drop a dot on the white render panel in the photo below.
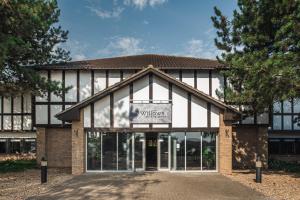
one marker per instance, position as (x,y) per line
(140,125)
(43,98)
(99,81)
(87,117)
(41,113)
(71,80)
(17,122)
(27,103)
(160,89)
(6,104)
(85,84)
(121,108)
(248,120)
(180,107)
(102,112)
(141,89)
(127,73)
(174,74)
(56,76)
(198,112)
(263,118)
(17,104)
(160,125)
(113,77)
(188,77)
(217,83)
(215,117)
(203,81)
(54,109)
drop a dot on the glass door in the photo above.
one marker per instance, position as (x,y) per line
(163,151)
(139,151)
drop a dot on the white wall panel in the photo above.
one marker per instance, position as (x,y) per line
(99,81)
(215,116)
(41,113)
(140,125)
(188,77)
(179,110)
(102,112)
(160,89)
(43,98)
(7,122)
(174,73)
(71,80)
(160,125)
(7,105)
(17,123)
(198,112)
(127,73)
(263,118)
(248,120)
(54,109)
(27,103)
(56,76)
(217,83)
(113,77)
(203,81)
(17,104)
(85,84)
(121,108)
(87,117)
(141,89)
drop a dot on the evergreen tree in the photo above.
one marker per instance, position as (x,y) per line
(261,48)
(29,35)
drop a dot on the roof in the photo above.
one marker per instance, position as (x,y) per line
(139,62)
(73,112)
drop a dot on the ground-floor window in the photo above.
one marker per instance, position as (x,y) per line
(287,146)
(17,145)
(175,151)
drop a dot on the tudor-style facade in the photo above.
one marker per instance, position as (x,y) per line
(24,118)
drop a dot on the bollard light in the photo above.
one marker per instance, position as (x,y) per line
(258,169)
(44,170)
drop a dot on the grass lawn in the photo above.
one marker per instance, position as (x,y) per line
(16,165)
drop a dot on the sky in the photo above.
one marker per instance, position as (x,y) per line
(109,28)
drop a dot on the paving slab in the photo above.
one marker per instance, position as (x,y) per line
(151,185)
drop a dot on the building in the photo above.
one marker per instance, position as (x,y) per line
(144,112)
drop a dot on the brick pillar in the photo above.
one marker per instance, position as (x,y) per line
(225,146)
(262,144)
(78,146)
(40,144)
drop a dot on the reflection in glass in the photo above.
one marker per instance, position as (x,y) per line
(178,150)
(208,151)
(93,151)
(193,151)
(138,150)
(109,149)
(164,149)
(124,151)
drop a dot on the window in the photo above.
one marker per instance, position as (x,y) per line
(29,146)
(288,146)
(15,146)
(178,150)
(193,151)
(109,151)
(93,151)
(2,145)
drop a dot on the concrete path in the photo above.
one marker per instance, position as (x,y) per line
(157,186)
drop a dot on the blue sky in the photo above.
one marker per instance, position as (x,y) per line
(107,28)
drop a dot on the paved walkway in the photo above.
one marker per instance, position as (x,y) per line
(157,186)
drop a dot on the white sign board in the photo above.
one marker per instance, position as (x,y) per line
(156,113)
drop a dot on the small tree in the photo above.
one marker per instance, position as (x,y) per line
(261,47)
(29,36)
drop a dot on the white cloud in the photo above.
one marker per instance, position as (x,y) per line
(145,22)
(141,4)
(200,48)
(104,14)
(77,49)
(121,46)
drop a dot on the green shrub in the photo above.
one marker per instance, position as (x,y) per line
(285,166)
(16,165)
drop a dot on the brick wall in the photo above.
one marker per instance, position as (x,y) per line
(55,145)
(225,146)
(78,146)
(248,142)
